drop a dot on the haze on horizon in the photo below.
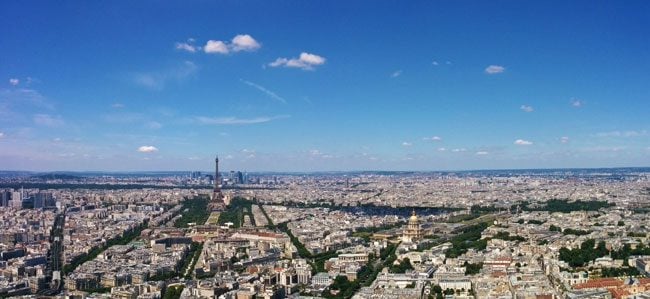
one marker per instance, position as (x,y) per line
(291,86)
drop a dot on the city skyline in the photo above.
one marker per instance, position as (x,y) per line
(287,86)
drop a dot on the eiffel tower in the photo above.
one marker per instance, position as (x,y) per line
(217,203)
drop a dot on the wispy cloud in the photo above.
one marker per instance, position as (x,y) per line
(154,125)
(494,69)
(117,105)
(158,80)
(481,153)
(526,108)
(249,153)
(577,103)
(396,74)
(15,97)
(263,89)
(14,81)
(241,42)
(188,46)
(237,121)
(459,150)
(432,138)
(2,135)
(147,149)
(523,142)
(306,61)
(48,120)
(564,139)
(623,134)
(314,153)
(406,144)
(437,63)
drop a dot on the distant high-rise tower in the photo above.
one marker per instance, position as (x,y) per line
(216,175)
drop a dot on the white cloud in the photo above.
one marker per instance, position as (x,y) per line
(396,74)
(14,81)
(216,47)
(306,61)
(405,143)
(188,46)
(154,125)
(522,142)
(459,150)
(23,96)
(442,149)
(237,121)
(577,103)
(435,63)
(494,69)
(241,42)
(269,93)
(482,153)
(526,108)
(433,138)
(147,149)
(117,105)
(2,135)
(623,134)
(48,120)
(318,154)
(250,154)
(244,42)
(564,139)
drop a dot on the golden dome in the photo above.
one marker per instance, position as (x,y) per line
(413,217)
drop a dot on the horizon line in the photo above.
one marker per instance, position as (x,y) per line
(329,171)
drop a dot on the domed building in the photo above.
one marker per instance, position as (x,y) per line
(413,231)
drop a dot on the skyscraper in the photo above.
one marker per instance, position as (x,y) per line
(17,200)
(4,198)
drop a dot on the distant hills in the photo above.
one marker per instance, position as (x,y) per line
(56,176)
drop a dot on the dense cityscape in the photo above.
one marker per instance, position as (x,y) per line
(565,233)
(292,149)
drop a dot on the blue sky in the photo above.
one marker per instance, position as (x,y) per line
(324,85)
